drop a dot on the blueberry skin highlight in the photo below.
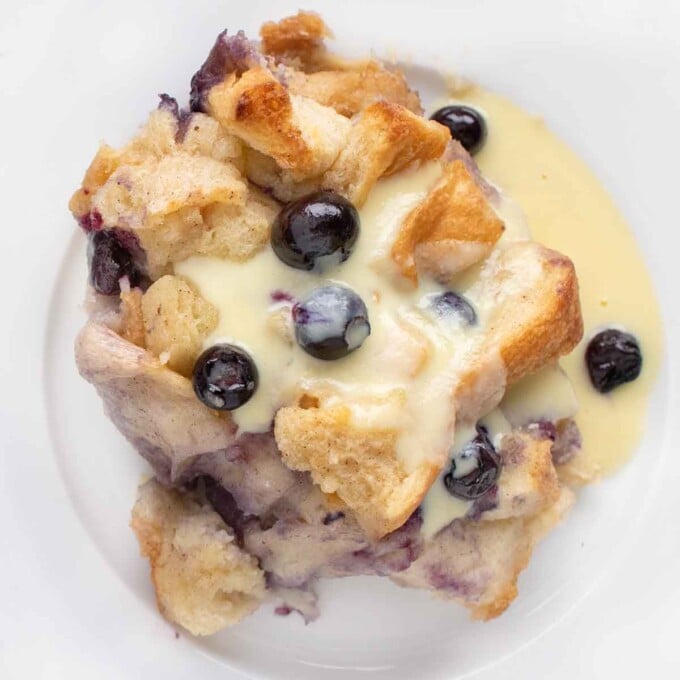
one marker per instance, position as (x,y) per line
(331,322)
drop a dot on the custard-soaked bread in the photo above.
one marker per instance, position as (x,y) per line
(528,296)
(301,135)
(478,563)
(203,580)
(453,228)
(528,484)
(176,321)
(359,464)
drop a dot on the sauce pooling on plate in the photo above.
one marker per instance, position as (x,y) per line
(568,209)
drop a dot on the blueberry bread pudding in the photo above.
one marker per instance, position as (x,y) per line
(329,336)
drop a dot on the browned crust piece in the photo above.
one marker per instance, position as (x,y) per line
(535,329)
(386,138)
(302,136)
(451,229)
(555,325)
(349,92)
(299,37)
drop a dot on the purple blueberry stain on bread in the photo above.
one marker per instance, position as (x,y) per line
(229,54)
(91,221)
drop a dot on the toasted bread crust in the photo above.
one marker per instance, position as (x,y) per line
(451,229)
(302,136)
(386,138)
(300,36)
(349,92)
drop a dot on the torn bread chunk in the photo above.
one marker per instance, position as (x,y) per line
(359,464)
(350,91)
(203,580)
(528,483)
(533,319)
(301,135)
(298,39)
(384,139)
(235,231)
(153,407)
(453,228)
(176,321)
(478,563)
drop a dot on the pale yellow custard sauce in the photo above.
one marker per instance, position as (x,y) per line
(569,210)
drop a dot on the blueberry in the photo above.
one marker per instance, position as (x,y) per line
(453,306)
(225,377)
(613,358)
(465,124)
(474,469)
(331,322)
(316,232)
(109,261)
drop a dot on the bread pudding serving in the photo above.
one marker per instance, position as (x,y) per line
(332,339)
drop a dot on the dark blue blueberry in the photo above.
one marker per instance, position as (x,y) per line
(465,124)
(450,305)
(225,377)
(474,469)
(333,517)
(316,232)
(109,260)
(613,358)
(331,322)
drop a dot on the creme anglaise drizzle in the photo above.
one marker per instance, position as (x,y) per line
(404,374)
(566,208)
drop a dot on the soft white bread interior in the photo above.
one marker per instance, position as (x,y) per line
(203,580)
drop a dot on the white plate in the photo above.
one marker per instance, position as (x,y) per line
(601,597)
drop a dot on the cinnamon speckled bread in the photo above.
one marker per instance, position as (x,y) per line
(203,580)
(327,465)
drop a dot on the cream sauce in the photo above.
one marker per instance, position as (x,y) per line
(568,209)
(405,373)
